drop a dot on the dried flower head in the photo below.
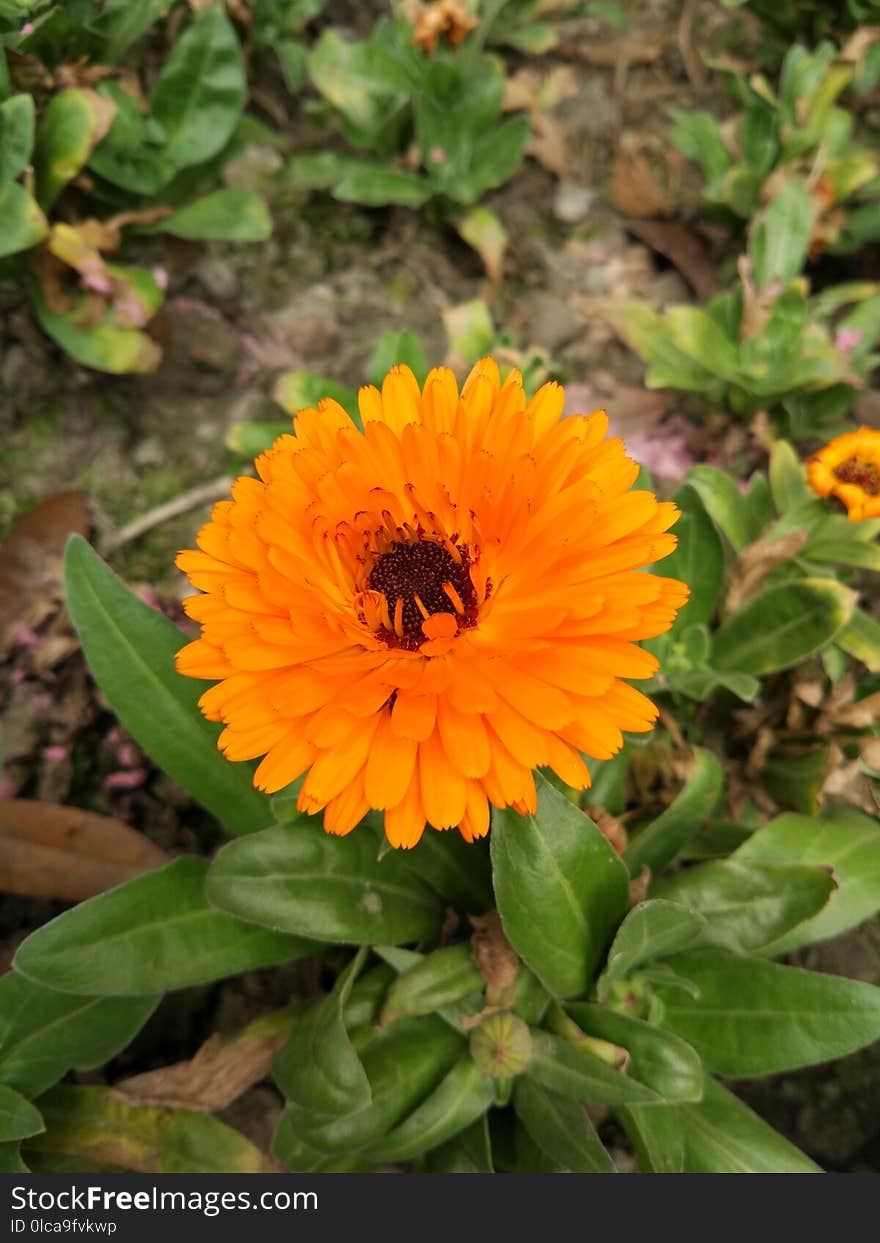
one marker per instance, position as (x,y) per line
(420,613)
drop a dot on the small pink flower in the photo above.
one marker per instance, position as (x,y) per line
(128,755)
(160,276)
(848,339)
(437,155)
(55,753)
(27,29)
(25,637)
(125,779)
(97,281)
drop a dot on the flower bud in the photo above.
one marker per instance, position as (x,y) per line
(502,1046)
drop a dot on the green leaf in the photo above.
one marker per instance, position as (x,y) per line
(748,905)
(659,1059)
(16,138)
(104,346)
(781,235)
(754,1017)
(783,626)
(151,934)
(470,1152)
(561,1128)
(723,1136)
(318,1068)
(724,503)
(580,1075)
(200,93)
(560,889)
(788,478)
(404,1065)
(18,1118)
(99,1131)
(395,347)
(43,1033)
(464,1096)
(697,135)
(129,156)
(656,1134)
(10,1154)
(23,223)
(252,437)
(73,123)
(130,649)
(376,185)
(121,23)
(296,390)
(301,1158)
(653,929)
(441,979)
(230,215)
(698,560)
(297,879)
(843,840)
(660,841)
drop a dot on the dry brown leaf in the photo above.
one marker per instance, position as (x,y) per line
(644,177)
(494,956)
(222,1070)
(30,561)
(682,248)
(66,854)
(751,568)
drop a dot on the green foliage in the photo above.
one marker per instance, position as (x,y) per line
(387,95)
(154,171)
(766,344)
(797,134)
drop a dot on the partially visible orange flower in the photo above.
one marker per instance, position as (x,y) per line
(420,613)
(849,468)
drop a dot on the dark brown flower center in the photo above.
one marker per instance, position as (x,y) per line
(418,580)
(864,475)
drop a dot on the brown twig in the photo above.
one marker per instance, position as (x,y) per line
(215,490)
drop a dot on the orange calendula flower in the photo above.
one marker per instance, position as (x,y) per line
(420,613)
(849,468)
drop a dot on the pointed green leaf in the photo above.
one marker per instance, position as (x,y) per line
(723,1136)
(659,1059)
(18,1118)
(318,1068)
(560,889)
(464,1096)
(200,93)
(298,879)
(23,223)
(149,935)
(656,1134)
(842,840)
(781,235)
(16,138)
(651,930)
(404,1066)
(754,1017)
(698,560)
(229,215)
(561,1127)
(748,905)
(130,649)
(43,1033)
(860,637)
(580,1075)
(723,502)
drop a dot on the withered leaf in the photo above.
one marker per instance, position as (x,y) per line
(222,1070)
(30,560)
(67,854)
